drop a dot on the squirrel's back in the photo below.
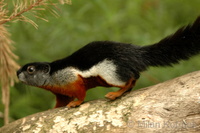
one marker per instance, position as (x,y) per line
(126,57)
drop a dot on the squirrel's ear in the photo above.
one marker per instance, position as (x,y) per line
(46,68)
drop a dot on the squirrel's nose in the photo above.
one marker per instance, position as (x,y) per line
(19,71)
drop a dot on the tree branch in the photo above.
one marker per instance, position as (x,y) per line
(14,16)
(172,106)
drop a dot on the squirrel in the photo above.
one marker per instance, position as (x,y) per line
(108,64)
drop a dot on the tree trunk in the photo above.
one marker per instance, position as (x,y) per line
(172,106)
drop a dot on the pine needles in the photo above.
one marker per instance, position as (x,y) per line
(33,7)
(8,65)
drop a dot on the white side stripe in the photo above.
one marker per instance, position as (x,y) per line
(105,69)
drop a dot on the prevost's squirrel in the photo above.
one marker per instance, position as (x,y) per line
(108,64)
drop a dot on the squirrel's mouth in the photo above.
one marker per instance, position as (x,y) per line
(21,77)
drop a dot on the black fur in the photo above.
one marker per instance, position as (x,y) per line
(39,66)
(125,56)
(130,59)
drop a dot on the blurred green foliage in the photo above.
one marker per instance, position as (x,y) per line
(140,22)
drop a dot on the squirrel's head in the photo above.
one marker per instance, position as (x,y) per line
(35,74)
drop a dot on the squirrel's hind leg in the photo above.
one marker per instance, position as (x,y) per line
(128,86)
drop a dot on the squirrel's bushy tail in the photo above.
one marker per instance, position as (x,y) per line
(183,44)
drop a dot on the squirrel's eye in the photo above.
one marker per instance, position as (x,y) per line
(31,69)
